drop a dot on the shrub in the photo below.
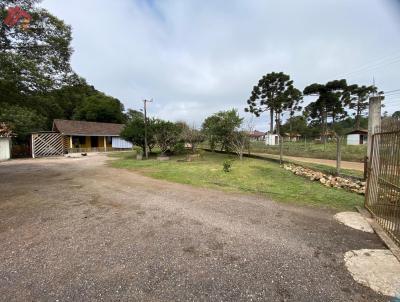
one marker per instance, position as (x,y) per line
(179,149)
(137,150)
(201,153)
(227,165)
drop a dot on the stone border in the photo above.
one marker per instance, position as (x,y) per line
(327,180)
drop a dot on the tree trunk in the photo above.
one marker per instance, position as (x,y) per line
(324,128)
(358,115)
(271,129)
(338,155)
(278,131)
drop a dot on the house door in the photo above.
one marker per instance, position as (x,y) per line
(94,141)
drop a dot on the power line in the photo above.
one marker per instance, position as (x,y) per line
(390,91)
(374,64)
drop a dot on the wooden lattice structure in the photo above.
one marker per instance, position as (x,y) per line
(383,191)
(46,144)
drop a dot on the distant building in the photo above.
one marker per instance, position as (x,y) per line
(78,136)
(271,139)
(5,148)
(5,142)
(291,137)
(257,135)
(357,137)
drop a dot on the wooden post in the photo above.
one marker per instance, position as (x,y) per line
(105,144)
(338,154)
(70,142)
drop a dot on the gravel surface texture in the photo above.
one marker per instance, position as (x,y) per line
(74,229)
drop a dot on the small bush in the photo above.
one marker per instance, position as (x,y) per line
(201,153)
(137,150)
(180,149)
(227,165)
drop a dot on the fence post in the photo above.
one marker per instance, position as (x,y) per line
(365,167)
(338,154)
(374,119)
(374,123)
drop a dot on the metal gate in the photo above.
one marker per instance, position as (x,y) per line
(47,144)
(383,191)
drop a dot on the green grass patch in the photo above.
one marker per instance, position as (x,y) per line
(250,175)
(354,153)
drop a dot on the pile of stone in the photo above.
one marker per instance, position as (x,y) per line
(349,184)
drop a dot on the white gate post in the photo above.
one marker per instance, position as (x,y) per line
(374,119)
(33,145)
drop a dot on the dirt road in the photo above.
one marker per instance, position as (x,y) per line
(349,165)
(77,230)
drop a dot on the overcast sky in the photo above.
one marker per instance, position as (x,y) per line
(198,57)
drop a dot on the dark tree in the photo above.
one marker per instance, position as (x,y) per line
(219,127)
(274,93)
(134,132)
(330,102)
(36,58)
(358,100)
(100,108)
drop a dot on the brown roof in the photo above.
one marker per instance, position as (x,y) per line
(358,131)
(256,133)
(68,127)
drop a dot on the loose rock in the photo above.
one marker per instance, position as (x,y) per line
(328,180)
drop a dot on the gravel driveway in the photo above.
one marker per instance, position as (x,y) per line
(77,230)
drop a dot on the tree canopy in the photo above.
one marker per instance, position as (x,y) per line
(330,102)
(36,59)
(219,127)
(100,108)
(37,82)
(275,92)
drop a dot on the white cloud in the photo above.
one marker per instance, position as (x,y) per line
(197,57)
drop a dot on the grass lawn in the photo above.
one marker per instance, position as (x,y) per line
(314,150)
(324,168)
(250,175)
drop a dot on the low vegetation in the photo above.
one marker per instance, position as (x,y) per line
(314,150)
(249,175)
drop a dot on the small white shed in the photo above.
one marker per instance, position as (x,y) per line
(5,148)
(271,139)
(357,137)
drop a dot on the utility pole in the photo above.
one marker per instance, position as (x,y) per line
(146,151)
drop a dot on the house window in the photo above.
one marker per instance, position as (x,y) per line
(109,140)
(78,141)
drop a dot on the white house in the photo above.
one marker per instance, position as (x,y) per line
(271,139)
(357,137)
(5,148)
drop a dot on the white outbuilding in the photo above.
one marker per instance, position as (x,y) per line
(5,148)
(357,137)
(271,139)
(5,141)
